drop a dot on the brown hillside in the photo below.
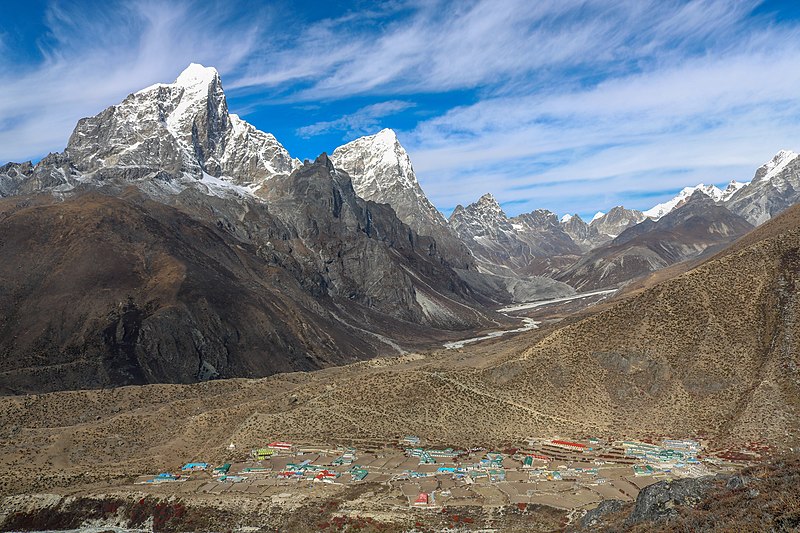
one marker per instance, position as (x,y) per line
(102,291)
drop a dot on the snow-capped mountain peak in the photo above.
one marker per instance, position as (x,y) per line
(194,82)
(381,171)
(597,215)
(197,75)
(182,129)
(774,166)
(712,191)
(731,189)
(386,138)
(566,218)
(377,163)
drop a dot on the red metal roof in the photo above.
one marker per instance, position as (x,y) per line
(422,498)
(568,443)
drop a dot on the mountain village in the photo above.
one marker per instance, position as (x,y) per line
(569,475)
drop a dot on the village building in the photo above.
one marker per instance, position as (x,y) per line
(326,476)
(571,446)
(165,477)
(422,500)
(446,453)
(358,474)
(262,454)
(193,467)
(222,470)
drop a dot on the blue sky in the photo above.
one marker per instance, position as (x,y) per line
(569,105)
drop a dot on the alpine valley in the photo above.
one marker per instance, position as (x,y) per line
(175,287)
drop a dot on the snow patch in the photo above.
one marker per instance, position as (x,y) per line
(776,165)
(196,75)
(731,189)
(223,188)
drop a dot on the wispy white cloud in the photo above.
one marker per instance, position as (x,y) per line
(441,46)
(361,122)
(480,43)
(711,118)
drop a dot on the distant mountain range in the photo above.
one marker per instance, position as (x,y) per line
(643,241)
(171,241)
(697,227)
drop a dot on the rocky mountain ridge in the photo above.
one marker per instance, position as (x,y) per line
(170,137)
(775,187)
(697,227)
(521,245)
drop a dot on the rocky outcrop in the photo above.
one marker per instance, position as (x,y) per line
(594,518)
(654,504)
(529,244)
(661,500)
